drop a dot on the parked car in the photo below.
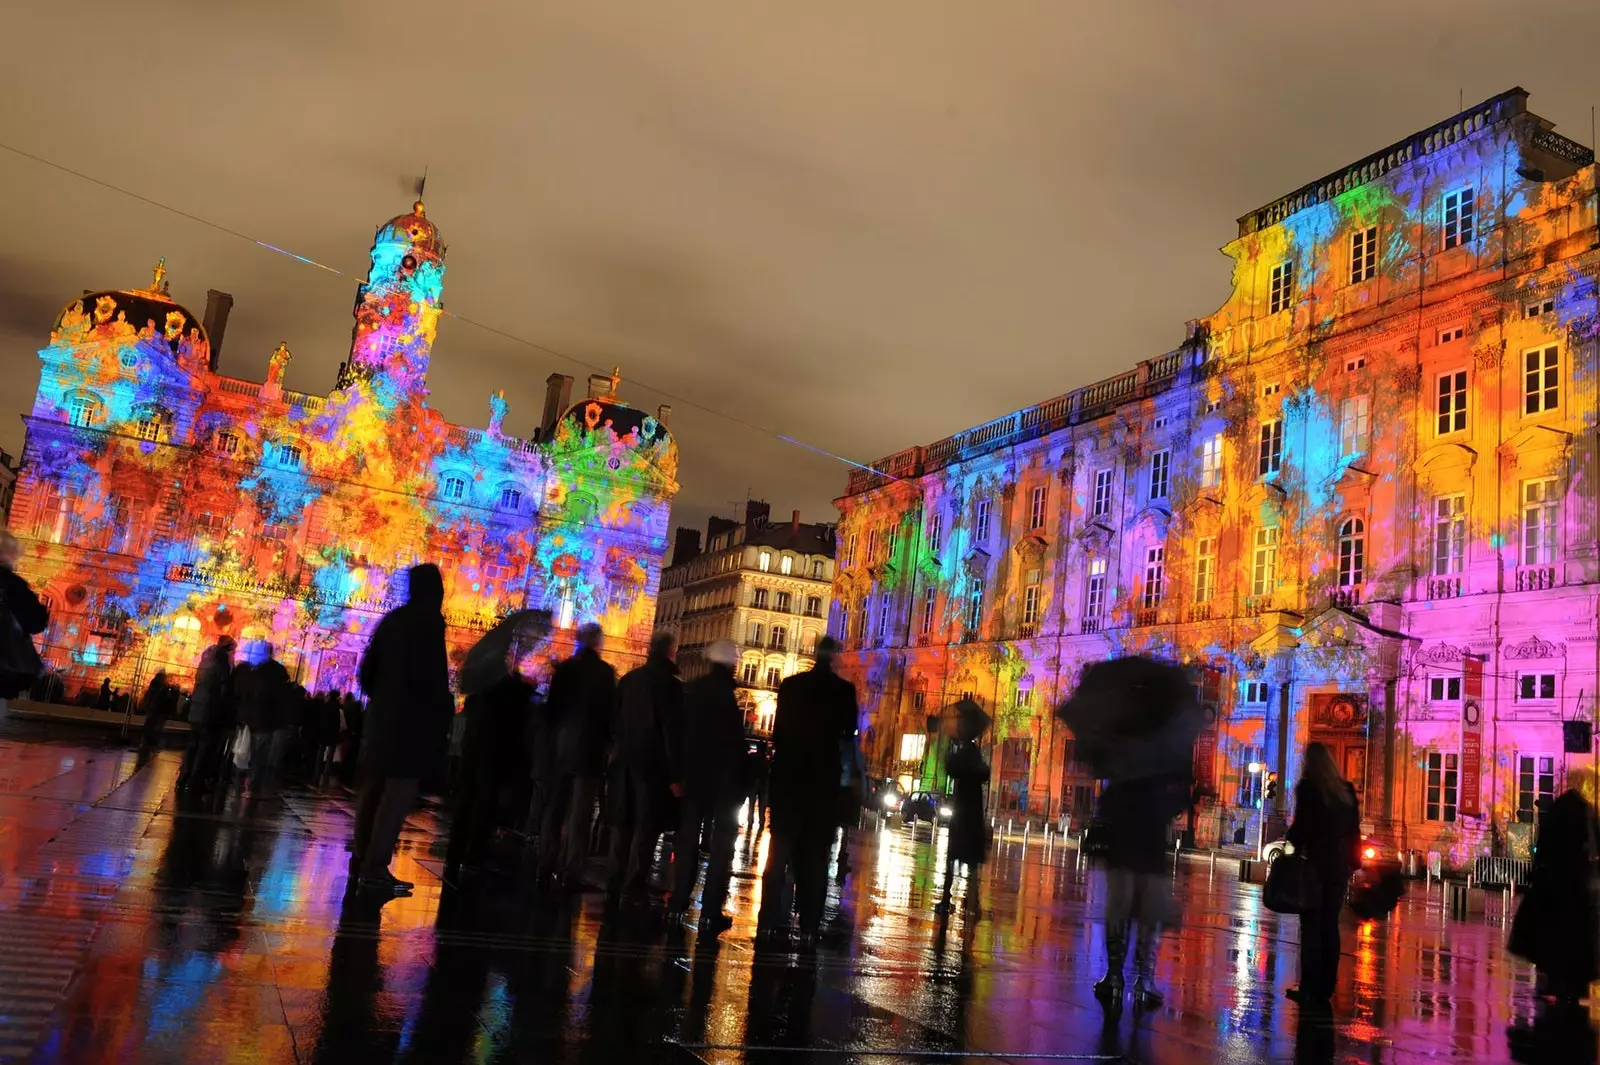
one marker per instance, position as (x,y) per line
(886,796)
(926,806)
(1376,859)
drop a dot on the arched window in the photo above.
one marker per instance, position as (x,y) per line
(756,632)
(510,498)
(765,561)
(455,488)
(85,409)
(816,570)
(1352,552)
(780,638)
(786,565)
(186,631)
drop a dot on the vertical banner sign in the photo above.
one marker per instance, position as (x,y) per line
(1471,738)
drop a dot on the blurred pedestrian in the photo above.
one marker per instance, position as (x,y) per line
(352,726)
(757,770)
(1557,925)
(260,684)
(158,703)
(647,729)
(816,710)
(22,616)
(330,727)
(406,675)
(1326,831)
(968,841)
(853,791)
(710,779)
(211,717)
(582,692)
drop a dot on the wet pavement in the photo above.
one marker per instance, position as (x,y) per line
(136,930)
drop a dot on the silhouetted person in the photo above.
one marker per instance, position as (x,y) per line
(211,717)
(646,731)
(491,754)
(1327,831)
(710,777)
(406,734)
(159,701)
(816,710)
(260,687)
(1557,925)
(582,693)
(968,842)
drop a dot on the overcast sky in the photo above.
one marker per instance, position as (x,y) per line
(862,225)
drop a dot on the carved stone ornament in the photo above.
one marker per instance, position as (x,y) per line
(1407,346)
(1030,548)
(1583,328)
(1534,647)
(1488,356)
(1442,652)
(1406,379)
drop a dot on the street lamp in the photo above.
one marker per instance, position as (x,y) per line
(1261,811)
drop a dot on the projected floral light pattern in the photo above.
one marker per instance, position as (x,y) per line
(1366,478)
(163,503)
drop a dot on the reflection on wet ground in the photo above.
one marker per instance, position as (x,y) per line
(133,929)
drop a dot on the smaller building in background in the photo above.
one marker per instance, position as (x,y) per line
(763,585)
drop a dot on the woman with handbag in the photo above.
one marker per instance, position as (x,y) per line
(1557,926)
(1326,832)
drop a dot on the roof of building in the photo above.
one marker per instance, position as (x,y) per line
(816,538)
(414,229)
(153,306)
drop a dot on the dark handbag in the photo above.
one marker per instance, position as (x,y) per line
(1291,885)
(1096,842)
(20,665)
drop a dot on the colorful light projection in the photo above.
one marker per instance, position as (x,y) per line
(1374,463)
(163,503)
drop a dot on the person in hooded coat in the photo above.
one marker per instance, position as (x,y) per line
(211,717)
(1558,924)
(710,776)
(817,711)
(646,729)
(578,710)
(406,731)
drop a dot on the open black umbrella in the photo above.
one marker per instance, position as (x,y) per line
(1134,717)
(971,719)
(489,660)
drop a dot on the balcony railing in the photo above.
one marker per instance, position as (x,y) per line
(1446,587)
(1089,626)
(1146,616)
(1348,595)
(1028,628)
(1535,578)
(1199,612)
(1260,604)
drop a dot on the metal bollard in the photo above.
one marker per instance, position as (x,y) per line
(1213,863)
(1026,825)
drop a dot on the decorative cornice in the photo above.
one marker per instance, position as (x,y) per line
(1534,647)
(1442,652)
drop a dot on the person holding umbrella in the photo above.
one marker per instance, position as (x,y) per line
(969,832)
(1135,720)
(499,702)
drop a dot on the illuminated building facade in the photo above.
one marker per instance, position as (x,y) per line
(162,503)
(1359,500)
(765,586)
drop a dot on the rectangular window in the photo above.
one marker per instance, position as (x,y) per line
(872,546)
(1155,577)
(919,700)
(783,602)
(1452,333)
(883,619)
(1536,687)
(1250,784)
(935,530)
(1264,577)
(816,570)
(757,635)
(1449,534)
(1030,601)
(1541,382)
(844,622)
(980,531)
(1095,601)
(751,670)
(289,457)
(1538,307)
(850,551)
(1354,364)
(1211,462)
(1271,452)
(929,598)
(1354,426)
(1271,388)
(1282,290)
(1363,255)
(975,606)
(813,606)
(786,565)
(1443,771)
(1102,493)
(758,598)
(1536,779)
(774,675)
(1024,697)
(1036,508)
(1540,514)
(1452,409)
(226,443)
(1444,689)
(1160,474)
(1205,570)
(1255,694)
(1459,208)
(913,745)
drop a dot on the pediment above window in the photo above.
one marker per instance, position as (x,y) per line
(1032,547)
(1444,457)
(1534,439)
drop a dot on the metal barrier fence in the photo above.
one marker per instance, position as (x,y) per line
(1502,872)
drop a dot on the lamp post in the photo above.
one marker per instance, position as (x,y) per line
(1261,812)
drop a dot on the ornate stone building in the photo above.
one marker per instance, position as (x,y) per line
(162,502)
(764,586)
(1359,499)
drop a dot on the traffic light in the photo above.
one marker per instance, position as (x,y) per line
(1271,789)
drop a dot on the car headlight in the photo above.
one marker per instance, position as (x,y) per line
(1369,853)
(945,811)
(891,801)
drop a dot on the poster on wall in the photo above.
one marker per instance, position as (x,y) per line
(1471,737)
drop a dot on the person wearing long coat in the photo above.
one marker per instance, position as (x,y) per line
(31,615)
(710,774)
(159,702)
(491,753)
(406,730)
(646,730)
(968,842)
(1558,923)
(578,711)
(211,717)
(1327,831)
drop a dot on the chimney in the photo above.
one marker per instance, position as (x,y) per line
(756,512)
(557,398)
(685,545)
(794,526)
(664,414)
(599,385)
(218,304)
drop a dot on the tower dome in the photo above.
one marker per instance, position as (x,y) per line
(413,229)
